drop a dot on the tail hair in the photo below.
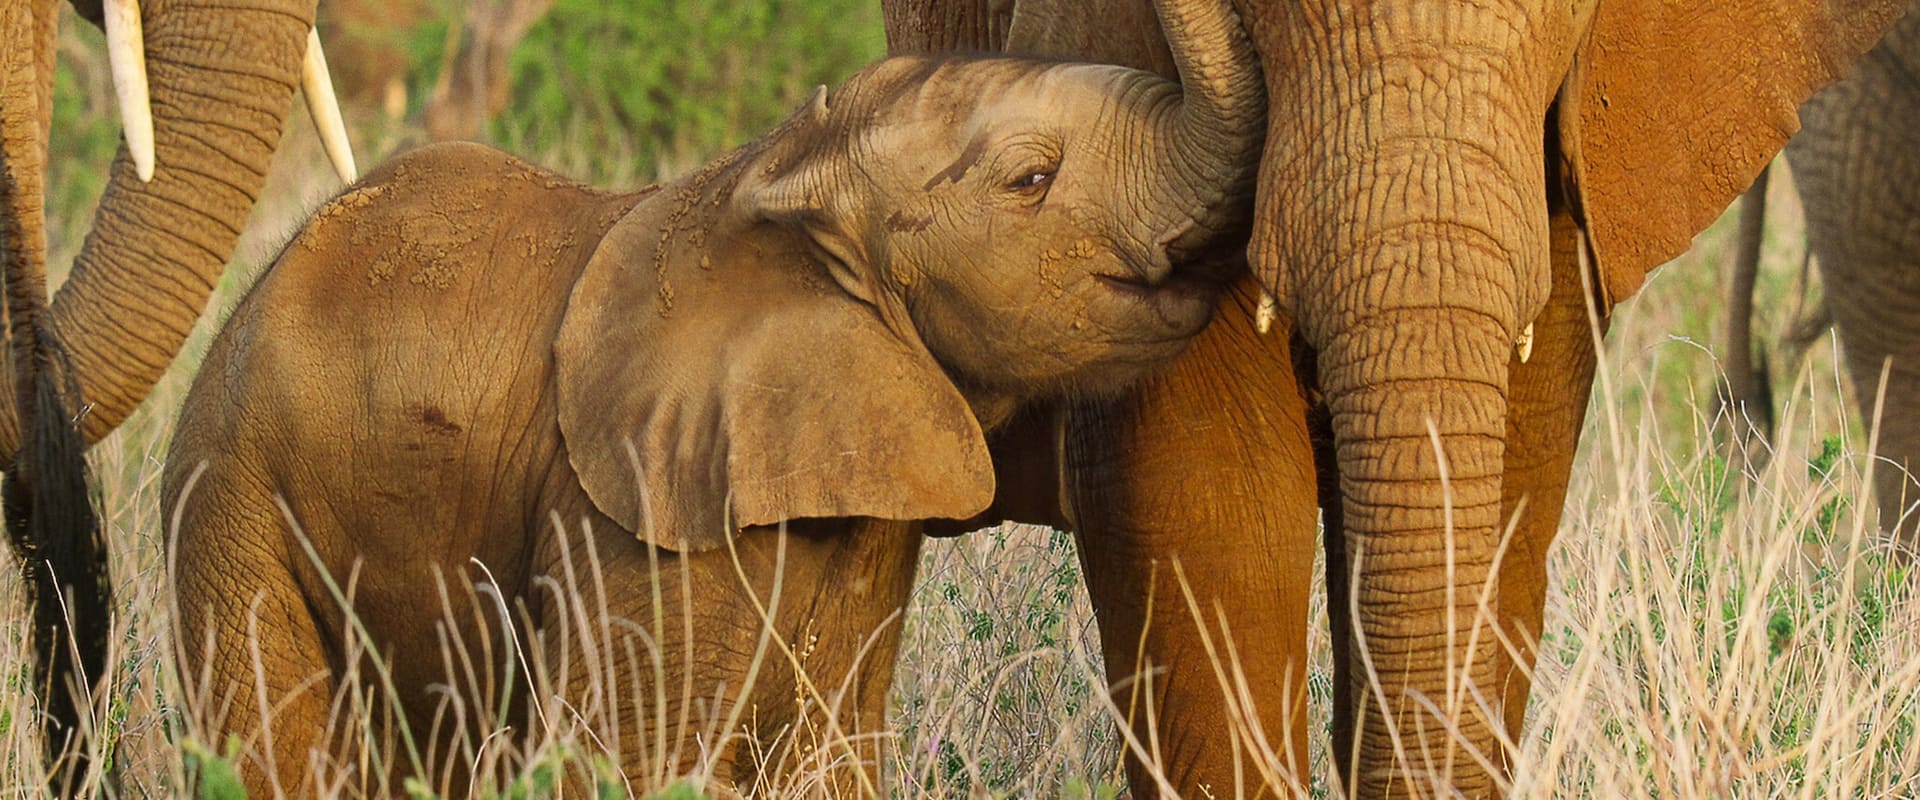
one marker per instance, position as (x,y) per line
(50,518)
(49,511)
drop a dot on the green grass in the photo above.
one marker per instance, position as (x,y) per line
(1709,633)
(675,81)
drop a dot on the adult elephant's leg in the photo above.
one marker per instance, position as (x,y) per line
(1547,405)
(1859,182)
(1207,467)
(1871,297)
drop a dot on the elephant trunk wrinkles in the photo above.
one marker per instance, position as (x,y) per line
(1403,226)
(221,80)
(1415,324)
(1420,476)
(1219,127)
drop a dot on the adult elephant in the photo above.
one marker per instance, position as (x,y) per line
(220,76)
(1445,188)
(1858,175)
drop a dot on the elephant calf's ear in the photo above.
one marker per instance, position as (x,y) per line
(763,394)
(797,197)
(1672,108)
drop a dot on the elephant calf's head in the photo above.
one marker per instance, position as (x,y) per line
(822,324)
(1033,222)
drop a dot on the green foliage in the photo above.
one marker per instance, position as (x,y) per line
(655,85)
(84,137)
(608,92)
(536,783)
(979,625)
(1779,632)
(213,772)
(84,129)
(1081,789)
(680,790)
(1820,469)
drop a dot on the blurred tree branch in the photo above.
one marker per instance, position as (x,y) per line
(473,83)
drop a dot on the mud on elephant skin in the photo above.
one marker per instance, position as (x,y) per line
(1446,179)
(785,358)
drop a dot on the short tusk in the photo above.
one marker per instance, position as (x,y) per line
(324,108)
(1263,313)
(1523,346)
(127,54)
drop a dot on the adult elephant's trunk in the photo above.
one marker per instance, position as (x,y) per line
(1215,135)
(221,77)
(1418,403)
(1403,225)
(1204,137)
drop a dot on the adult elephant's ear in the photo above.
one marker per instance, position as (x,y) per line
(1673,107)
(701,393)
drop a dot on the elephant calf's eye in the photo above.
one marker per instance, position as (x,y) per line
(1032,184)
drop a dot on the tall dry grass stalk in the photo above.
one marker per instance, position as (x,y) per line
(1716,635)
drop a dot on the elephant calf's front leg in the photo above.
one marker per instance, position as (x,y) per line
(700,684)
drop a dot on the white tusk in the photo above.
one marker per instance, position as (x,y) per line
(127,54)
(1263,313)
(1523,346)
(324,108)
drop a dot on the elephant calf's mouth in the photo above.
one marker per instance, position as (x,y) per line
(1136,284)
(1182,300)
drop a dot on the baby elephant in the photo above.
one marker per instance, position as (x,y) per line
(638,470)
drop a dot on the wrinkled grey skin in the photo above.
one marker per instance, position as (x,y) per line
(786,357)
(1856,165)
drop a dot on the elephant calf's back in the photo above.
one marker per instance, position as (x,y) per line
(439,229)
(397,350)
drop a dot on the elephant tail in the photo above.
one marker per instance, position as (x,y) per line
(48,507)
(1747,392)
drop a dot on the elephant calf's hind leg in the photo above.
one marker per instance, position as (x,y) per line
(252,657)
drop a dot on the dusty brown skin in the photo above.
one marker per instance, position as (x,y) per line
(1858,175)
(140,281)
(1425,199)
(818,328)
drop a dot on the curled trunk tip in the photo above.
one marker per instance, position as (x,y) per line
(1221,125)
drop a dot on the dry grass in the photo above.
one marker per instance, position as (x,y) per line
(1708,634)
